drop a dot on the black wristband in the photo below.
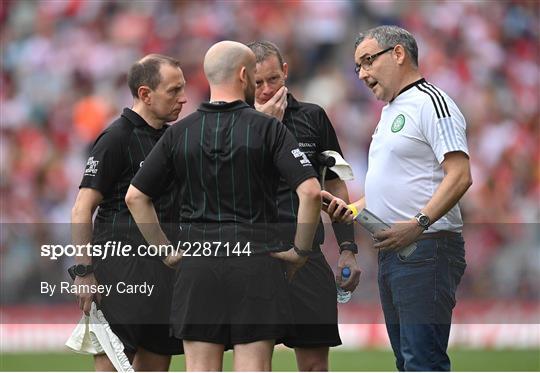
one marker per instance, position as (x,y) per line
(302,253)
(343,232)
(348,246)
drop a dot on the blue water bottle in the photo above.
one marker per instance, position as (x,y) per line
(344,296)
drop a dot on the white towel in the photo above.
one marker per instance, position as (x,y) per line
(93,335)
(341,168)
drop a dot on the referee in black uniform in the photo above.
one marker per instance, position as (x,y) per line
(313,290)
(227,160)
(140,320)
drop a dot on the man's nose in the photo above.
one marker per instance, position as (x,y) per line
(362,74)
(267,89)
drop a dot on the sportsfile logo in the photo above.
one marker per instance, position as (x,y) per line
(91,167)
(120,249)
(297,153)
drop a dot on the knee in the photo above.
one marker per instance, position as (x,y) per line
(103,364)
(146,361)
(312,359)
(313,364)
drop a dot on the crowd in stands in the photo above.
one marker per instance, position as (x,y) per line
(63,79)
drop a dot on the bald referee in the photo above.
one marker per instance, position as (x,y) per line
(226,160)
(139,320)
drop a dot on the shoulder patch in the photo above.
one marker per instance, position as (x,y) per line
(91,167)
(297,153)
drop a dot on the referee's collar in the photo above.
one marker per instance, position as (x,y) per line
(292,103)
(220,106)
(138,121)
(134,118)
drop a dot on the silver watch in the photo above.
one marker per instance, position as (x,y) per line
(423,220)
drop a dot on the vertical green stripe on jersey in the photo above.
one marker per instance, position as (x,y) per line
(248,175)
(296,138)
(188,178)
(326,139)
(292,203)
(232,179)
(118,209)
(152,142)
(310,125)
(133,172)
(143,153)
(171,194)
(201,169)
(294,126)
(264,204)
(216,154)
(263,158)
(132,175)
(149,140)
(140,144)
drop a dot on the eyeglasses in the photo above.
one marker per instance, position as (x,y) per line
(368,61)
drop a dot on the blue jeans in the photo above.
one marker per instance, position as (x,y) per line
(418,296)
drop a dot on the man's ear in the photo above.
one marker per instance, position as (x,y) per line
(400,54)
(285,69)
(144,94)
(243,74)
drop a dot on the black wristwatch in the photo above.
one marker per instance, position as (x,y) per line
(80,270)
(423,220)
(349,246)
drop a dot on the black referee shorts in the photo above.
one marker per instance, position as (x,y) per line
(230,301)
(139,319)
(313,298)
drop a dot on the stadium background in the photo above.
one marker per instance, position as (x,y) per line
(63,79)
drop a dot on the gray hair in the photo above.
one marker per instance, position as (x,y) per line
(264,49)
(390,36)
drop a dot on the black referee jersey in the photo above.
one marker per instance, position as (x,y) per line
(315,134)
(115,158)
(227,159)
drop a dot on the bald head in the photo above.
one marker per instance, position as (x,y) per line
(225,59)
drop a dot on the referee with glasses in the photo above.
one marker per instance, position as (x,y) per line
(418,171)
(226,161)
(139,320)
(313,289)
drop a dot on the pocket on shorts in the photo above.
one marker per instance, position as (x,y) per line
(425,252)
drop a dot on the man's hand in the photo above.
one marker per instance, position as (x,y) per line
(336,208)
(347,259)
(85,299)
(276,106)
(400,235)
(293,261)
(173,259)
